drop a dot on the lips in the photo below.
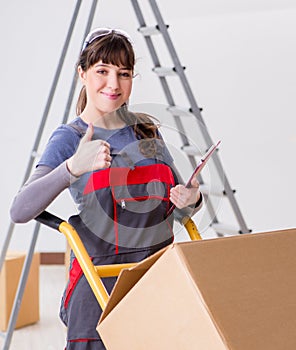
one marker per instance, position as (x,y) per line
(111,96)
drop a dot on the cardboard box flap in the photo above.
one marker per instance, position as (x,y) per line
(11,255)
(246,283)
(127,279)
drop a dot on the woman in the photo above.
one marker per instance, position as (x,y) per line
(118,171)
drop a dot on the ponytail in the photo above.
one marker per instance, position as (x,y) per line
(81,102)
(146,131)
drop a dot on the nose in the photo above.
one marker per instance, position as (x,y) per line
(113,81)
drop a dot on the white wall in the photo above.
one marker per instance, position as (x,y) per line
(240,61)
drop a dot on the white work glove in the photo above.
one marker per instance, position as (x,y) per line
(183,196)
(91,155)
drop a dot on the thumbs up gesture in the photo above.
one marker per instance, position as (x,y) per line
(91,155)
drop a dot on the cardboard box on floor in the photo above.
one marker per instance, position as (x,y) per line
(235,293)
(9,279)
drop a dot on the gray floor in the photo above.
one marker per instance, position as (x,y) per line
(49,333)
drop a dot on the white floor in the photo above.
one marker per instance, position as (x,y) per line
(49,333)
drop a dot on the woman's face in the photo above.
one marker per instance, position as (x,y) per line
(108,87)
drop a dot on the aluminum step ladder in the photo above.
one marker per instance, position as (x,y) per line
(178,114)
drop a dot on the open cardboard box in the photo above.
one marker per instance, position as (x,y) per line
(9,280)
(227,293)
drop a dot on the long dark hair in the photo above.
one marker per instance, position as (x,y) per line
(115,48)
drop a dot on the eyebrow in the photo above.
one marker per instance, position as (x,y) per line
(108,65)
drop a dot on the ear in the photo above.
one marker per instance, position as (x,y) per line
(81,74)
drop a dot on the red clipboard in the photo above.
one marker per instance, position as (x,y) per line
(203,161)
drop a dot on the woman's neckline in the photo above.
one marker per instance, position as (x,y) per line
(102,128)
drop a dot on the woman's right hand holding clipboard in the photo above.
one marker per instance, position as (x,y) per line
(181,196)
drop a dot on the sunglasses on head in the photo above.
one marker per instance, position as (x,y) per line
(100,32)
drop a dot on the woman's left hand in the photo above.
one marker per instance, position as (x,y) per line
(183,196)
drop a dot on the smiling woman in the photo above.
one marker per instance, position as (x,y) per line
(119,172)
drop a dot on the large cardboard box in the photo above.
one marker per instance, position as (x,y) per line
(9,279)
(235,293)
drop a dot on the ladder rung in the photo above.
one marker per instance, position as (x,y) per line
(224,229)
(164,71)
(180,111)
(35,154)
(191,150)
(151,30)
(212,190)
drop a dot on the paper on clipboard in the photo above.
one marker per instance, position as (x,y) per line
(203,161)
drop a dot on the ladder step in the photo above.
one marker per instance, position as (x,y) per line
(151,30)
(180,111)
(165,71)
(224,229)
(212,190)
(191,150)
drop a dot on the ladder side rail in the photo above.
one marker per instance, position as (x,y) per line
(152,51)
(196,111)
(20,289)
(230,195)
(29,256)
(162,79)
(171,102)
(177,64)
(53,86)
(6,243)
(75,75)
(70,99)
(43,121)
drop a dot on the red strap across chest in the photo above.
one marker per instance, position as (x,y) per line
(126,176)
